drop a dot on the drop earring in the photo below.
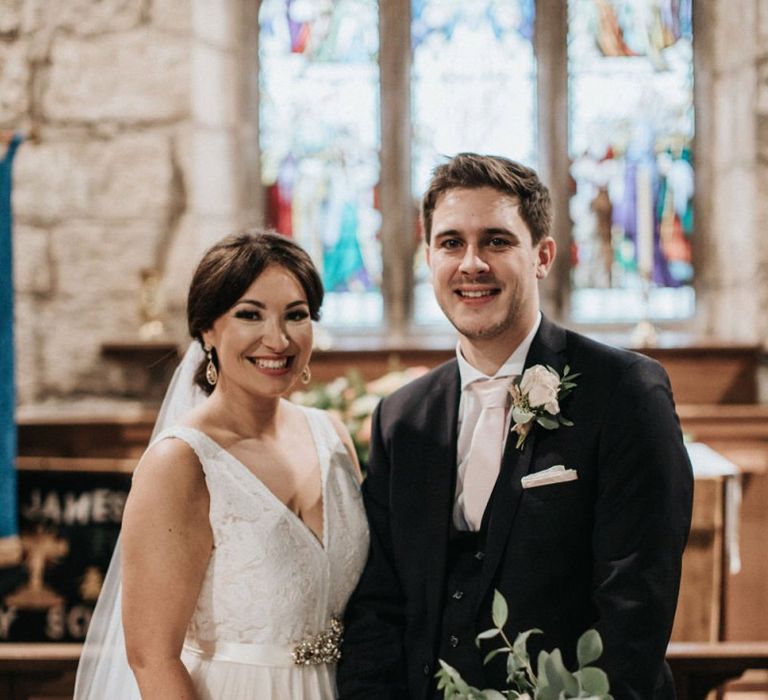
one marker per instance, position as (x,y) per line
(306,375)
(211,373)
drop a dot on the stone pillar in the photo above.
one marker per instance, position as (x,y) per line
(728,229)
(398,224)
(761,215)
(551,46)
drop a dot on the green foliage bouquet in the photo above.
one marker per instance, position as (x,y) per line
(553,682)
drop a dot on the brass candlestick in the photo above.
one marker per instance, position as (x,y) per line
(645,334)
(151,307)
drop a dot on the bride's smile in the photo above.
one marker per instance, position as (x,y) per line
(268,329)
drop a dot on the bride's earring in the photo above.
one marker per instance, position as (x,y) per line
(306,375)
(211,374)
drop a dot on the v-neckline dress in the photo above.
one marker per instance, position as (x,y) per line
(271,583)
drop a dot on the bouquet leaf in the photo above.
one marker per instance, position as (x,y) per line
(593,681)
(491,654)
(499,611)
(589,648)
(552,681)
(488,634)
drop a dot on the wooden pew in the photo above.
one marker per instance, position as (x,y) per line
(740,433)
(701,667)
(38,670)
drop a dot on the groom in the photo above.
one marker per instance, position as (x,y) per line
(454,507)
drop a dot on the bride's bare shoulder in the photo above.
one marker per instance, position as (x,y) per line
(169,460)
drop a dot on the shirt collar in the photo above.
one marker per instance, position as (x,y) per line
(512,366)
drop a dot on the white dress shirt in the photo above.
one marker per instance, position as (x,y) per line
(469,412)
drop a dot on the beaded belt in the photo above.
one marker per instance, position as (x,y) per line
(321,648)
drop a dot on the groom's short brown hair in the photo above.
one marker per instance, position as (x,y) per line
(472,171)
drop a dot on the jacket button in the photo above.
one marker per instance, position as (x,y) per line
(458,595)
(453,641)
(479,556)
(426,669)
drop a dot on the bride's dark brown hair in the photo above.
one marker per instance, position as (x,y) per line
(230,267)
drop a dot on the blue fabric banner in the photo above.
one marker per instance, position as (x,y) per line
(8,503)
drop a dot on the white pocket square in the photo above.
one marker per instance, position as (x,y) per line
(554,475)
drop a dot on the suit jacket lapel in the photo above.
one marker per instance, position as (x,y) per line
(545,349)
(440,459)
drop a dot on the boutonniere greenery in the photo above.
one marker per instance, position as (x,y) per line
(552,681)
(536,397)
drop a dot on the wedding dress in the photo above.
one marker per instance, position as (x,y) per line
(272,590)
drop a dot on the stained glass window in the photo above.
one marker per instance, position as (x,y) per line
(473,89)
(631,126)
(319,136)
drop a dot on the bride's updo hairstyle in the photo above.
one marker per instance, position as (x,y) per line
(230,267)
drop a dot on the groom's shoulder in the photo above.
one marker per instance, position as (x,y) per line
(611,360)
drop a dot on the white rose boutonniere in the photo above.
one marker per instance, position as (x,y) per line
(536,397)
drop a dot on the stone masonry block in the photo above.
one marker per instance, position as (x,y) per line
(10,16)
(217,22)
(96,299)
(723,322)
(26,327)
(181,258)
(734,127)
(70,348)
(14,82)
(762,139)
(31,260)
(84,17)
(762,26)
(172,15)
(182,140)
(215,86)
(101,260)
(735,44)
(761,216)
(733,235)
(762,85)
(140,76)
(214,178)
(129,176)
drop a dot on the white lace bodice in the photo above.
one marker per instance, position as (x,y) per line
(269,579)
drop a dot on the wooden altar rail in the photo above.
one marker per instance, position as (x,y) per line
(711,373)
(715,387)
(740,428)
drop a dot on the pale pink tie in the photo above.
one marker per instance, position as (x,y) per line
(484,455)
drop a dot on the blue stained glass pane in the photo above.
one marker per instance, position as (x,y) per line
(319,136)
(473,89)
(631,126)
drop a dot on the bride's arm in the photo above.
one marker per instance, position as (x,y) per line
(166,545)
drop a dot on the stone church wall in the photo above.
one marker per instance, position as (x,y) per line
(129,164)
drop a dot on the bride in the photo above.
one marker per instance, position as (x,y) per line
(244,532)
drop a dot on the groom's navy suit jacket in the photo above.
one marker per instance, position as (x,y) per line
(603,551)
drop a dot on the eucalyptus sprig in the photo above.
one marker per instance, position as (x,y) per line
(553,681)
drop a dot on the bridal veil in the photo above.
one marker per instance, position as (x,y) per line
(103,671)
